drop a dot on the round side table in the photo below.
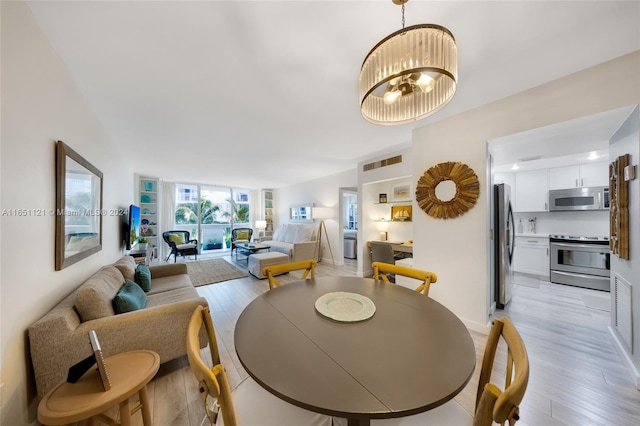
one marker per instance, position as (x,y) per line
(86,399)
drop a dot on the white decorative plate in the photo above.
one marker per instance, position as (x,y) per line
(345,307)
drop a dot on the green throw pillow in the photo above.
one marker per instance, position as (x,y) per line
(242,235)
(129,298)
(177,238)
(143,277)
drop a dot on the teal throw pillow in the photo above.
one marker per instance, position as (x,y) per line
(143,277)
(129,298)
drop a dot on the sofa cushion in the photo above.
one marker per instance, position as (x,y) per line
(280,234)
(143,277)
(129,298)
(169,283)
(291,233)
(127,266)
(303,233)
(177,295)
(93,298)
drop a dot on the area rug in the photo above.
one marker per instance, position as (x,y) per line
(212,271)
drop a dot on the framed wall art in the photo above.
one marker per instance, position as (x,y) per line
(401,213)
(401,193)
(78,207)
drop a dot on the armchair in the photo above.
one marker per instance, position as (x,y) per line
(181,244)
(240,236)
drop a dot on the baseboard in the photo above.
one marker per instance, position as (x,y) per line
(328,260)
(633,370)
(477,327)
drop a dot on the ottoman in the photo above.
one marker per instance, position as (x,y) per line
(260,260)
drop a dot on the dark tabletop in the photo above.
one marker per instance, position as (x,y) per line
(411,356)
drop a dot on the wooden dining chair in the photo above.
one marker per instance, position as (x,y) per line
(248,404)
(309,266)
(492,404)
(380,270)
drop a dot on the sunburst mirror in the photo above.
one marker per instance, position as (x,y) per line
(447,190)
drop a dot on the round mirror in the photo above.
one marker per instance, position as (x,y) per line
(446,190)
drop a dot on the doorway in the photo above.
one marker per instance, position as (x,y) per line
(348,220)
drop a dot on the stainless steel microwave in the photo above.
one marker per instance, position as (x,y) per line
(592,198)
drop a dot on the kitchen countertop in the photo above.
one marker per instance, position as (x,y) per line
(532,235)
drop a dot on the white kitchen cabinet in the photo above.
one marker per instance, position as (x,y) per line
(594,174)
(531,255)
(531,191)
(579,175)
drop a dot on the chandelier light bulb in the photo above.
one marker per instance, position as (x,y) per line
(425,83)
(391,96)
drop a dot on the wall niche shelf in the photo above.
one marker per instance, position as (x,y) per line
(397,202)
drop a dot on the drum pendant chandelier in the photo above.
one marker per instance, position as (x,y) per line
(409,74)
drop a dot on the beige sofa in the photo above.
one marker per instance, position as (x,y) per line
(60,339)
(296,241)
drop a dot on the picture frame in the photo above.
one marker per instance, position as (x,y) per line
(382,198)
(401,213)
(102,368)
(303,213)
(78,207)
(401,192)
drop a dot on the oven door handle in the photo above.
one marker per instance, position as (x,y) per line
(594,247)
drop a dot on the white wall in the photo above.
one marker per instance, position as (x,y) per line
(625,141)
(325,194)
(41,104)
(459,246)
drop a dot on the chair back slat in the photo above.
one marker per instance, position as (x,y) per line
(503,405)
(309,267)
(380,271)
(208,384)
(225,400)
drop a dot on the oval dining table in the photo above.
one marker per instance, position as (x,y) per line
(412,355)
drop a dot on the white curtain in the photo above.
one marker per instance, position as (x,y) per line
(167,210)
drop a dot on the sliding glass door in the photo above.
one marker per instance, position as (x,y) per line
(215,217)
(210,212)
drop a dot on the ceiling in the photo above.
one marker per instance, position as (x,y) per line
(569,142)
(264,94)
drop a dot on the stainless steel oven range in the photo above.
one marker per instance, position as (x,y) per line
(581,261)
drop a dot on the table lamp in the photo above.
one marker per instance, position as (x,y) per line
(383,227)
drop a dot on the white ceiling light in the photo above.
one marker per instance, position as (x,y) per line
(408,75)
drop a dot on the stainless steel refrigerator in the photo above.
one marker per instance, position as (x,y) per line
(504,228)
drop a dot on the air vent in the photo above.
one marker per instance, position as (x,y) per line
(382,163)
(622,294)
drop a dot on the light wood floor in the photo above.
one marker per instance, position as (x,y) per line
(577,377)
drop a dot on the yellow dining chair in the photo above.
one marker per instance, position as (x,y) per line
(248,404)
(309,266)
(492,404)
(380,270)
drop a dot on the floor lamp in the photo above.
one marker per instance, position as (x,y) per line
(316,252)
